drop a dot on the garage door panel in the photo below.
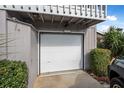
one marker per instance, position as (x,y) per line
(60,52)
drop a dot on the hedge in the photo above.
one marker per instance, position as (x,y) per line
(100,59)
(13,74)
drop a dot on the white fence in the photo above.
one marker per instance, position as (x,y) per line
(82,11)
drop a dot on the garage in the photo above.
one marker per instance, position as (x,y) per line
(50,38)
(60,52)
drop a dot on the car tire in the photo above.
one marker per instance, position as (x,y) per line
(116,83)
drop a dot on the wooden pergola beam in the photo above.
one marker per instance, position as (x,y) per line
(62,19)
(79,21)
(71,20)
(41,16)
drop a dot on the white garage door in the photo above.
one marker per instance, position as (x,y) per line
(60,52)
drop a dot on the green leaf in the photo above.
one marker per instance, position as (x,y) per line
(13,74)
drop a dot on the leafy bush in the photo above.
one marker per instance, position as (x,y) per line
(13,74)
(100,45)
(100,59)
(114,40)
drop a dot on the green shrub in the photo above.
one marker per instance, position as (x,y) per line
(114,41)
(100,45)
(100,58)
(13,74)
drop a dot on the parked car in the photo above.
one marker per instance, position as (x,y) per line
(116,73)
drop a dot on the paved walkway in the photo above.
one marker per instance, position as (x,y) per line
(69,79)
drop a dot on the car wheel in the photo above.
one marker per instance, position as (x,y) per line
(116,83)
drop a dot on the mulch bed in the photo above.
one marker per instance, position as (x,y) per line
(101,79)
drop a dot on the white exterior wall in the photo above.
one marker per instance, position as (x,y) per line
(19,48)
(23,47)
(89,44)
(34,55)
(3,35)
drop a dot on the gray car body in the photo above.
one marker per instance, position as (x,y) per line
(116,69)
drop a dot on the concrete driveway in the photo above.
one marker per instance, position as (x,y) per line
(68,79)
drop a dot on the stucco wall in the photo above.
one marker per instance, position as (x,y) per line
(58,27)
(3,35)
(89,44)
(34,55)
(23,46)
